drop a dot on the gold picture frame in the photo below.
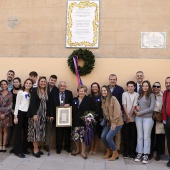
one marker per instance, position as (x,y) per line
(63,116)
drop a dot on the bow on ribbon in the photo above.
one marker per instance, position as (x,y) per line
(27,95)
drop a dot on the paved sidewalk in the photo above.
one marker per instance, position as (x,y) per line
(65,161)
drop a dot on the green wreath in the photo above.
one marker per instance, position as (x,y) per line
(88,58)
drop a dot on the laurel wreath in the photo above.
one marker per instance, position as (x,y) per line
(89,60)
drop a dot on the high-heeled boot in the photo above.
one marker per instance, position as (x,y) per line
(108,153)
(115,156)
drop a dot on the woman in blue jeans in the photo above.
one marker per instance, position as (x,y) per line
(114,122)
(144,121)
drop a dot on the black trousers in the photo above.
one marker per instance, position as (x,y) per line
(167,133)
(63,133)
(129,138)
(157,141)
(21,145)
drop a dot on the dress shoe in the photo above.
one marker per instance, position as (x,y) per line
(21,155)
(37,155)
(46,148)
(40,152)
(158,157)
(75,153)
(7,145)
(84,156)
(68,150)
(11,151)
(132,156)
(150,156)
(58,152)
(26,152)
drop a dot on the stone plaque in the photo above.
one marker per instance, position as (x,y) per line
(153,39)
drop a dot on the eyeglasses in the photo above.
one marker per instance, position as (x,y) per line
(156,86)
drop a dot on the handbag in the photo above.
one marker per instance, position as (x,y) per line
(103,122)
(157,116)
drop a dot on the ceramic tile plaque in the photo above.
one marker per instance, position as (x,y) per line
(82,24)
(153,39)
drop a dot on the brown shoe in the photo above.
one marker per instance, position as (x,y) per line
(115,156)
(108,153)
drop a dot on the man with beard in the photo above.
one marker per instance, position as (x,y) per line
(166,113)
(10,75)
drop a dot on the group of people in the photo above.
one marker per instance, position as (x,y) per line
(31,108)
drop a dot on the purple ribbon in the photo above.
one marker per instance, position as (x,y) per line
(89,134)
(75,60)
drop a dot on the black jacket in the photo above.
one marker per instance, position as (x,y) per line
(117,92)
(78,111)
(97,104)
(55,100)
(35,103)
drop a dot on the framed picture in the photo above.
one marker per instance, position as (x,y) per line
(63,116)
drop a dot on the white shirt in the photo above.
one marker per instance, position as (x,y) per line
(35,85)
(130,100)
(138,87)
(22,102)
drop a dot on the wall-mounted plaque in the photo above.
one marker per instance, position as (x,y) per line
(82,24)
(153,39)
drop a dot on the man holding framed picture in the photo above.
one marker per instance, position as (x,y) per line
(61,97)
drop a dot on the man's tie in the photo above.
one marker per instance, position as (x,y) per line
(62,99)
(140,88)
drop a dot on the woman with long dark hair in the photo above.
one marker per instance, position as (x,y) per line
(114,122)
(16,87)
(37,115)
(5,110)
(96,97)
(21,119)
(144,121)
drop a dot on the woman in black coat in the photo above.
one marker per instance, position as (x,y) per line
(80,105)
(96,97)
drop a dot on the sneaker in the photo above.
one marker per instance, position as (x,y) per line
(138,157)
(145,159)
(132,156)
(125,156)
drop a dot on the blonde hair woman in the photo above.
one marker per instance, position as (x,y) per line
(38,113)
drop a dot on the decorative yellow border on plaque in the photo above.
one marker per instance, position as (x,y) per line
(95,25)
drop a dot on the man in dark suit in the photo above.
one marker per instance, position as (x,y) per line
(139,79)
(116,91)
(61,97)
(48,128)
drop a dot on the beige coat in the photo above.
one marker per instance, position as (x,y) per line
(112,111)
